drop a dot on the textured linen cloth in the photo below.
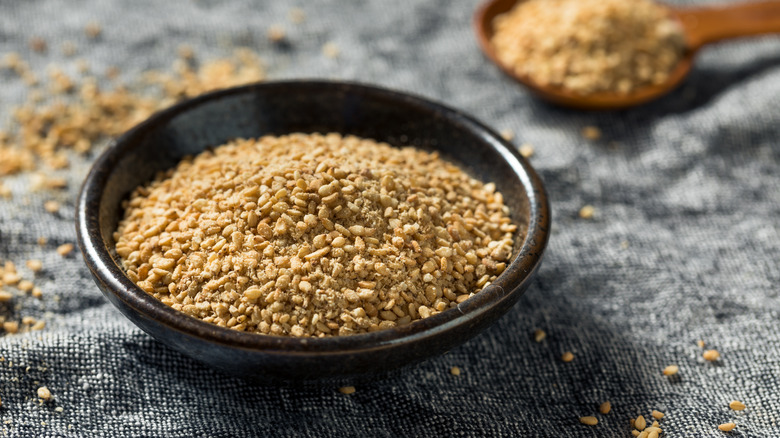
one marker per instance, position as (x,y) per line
(684,245)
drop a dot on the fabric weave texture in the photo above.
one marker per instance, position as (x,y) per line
(684,245)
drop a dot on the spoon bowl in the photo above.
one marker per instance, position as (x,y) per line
(701,26)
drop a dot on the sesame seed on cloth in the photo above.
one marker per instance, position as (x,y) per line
(694,187)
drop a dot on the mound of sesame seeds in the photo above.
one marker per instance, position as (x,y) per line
(589,46)
(314,235)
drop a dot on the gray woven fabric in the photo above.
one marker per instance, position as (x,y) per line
(684,246)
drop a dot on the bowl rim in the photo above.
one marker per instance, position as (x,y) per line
(514,279)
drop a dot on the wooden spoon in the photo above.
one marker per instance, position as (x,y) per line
(701,25)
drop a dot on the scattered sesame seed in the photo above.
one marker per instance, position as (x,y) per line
(526,150)
(297,15)
(11,327)
(591,133)
(507,134)
(25,285)
(711,355)
(38,44)
(587,212)
(657,415)
(671,370)
(331,50)
(635,432)
(605,407)
(567,356)
(36,292)
(59,409)
(51,206)
(34,265)
(700,343)
(28,320)
(455,371)
(737,405)
(652,433)
(186,52)
(539,335)
(727,427)
(93,29)
(590,421)
(640,423)
(276,33)
(42,241)
(347,389)
(65,249)
(44,393)
(5,296)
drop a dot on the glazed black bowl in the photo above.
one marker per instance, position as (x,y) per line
(277,108)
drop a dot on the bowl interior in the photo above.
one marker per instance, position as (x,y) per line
(309,106)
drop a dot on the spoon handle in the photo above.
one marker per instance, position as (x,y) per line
(707,25)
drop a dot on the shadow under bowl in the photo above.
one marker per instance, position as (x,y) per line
(277,108)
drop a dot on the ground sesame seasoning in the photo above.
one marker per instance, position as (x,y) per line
(44,393)
(539,335)
(727,427)
(605,407)
(350,236)
(737,405)
(587,212)
(671,370)
(455,371)
(590,421)
(347,390)
(589,46)
(711,355)
(567,356)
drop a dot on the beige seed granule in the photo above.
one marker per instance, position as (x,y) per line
(297,15)
(347,390)
(737,405)
(65,249)
(589,46)
(331,50)
(51,206)
(671,370)
(587,212)
(657,415)
(605,407)
(640,423)
(44,393)
(727,427)
(507,134)
(38,44)
(34,265)
(455,371)
(526,150)
(700,343)
(314,235)
(590,421)
(591,133)
(276,33)
(93,29)
(711,355)
(5,296)
(539,335)
(635,432)
(567,356)
(11,327)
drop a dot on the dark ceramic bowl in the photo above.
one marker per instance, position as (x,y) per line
(278,108)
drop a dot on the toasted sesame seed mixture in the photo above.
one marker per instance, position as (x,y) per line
(314,235)
(589,46)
